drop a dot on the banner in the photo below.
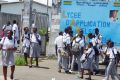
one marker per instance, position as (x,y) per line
(91,14)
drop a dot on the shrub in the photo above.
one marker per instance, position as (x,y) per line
(43,31)
(19,60)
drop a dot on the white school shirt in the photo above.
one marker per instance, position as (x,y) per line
(110,52)
(93,41)
(64,37)
(8,43)
(98,39)
(33,37)
(59,41)
(68,41)
(26,41)
(9,27)
(91,53)
(15,28)
(81,42)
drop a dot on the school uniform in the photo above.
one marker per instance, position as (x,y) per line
(26,43)
(8,56)
(65,60)
(15,28)
(6,28)
(76,56)
(59,43)
(34,45)
(89,59)
(111,68)
(96,64)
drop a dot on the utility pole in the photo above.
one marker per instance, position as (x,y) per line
(47,6)
(27,13)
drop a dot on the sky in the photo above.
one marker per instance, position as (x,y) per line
(41,1)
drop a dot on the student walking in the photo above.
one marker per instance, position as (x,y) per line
(111,68)
(88,61)
(26,44)
(35,42)
(8,47)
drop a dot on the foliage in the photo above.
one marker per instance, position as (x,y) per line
(19,60)
(43,31)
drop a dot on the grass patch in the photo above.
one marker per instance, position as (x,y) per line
(19,60)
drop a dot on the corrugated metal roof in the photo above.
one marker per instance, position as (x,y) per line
(4,2)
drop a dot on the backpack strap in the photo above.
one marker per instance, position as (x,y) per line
(114,53)
(89,53)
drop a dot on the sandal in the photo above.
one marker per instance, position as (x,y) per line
(30,66)
(81,77)
(11,77)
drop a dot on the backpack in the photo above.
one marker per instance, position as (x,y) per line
(76,47)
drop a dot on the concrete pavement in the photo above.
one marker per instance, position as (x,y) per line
(46,71)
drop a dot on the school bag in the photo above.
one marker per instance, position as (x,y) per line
(39,41)
(76,47)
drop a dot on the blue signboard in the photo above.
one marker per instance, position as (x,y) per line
(89,14)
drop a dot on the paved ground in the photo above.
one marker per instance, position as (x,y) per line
(47,71)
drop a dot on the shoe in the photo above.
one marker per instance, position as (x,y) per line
(70,71)
(11,77)
(81,77)
(96,72)
(67,72)
(59,71)
(30,66)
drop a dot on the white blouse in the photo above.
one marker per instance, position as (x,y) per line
(8,43)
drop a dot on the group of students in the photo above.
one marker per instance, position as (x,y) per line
(76,49)
(8,46)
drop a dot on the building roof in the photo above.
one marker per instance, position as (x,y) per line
(6,2)
(2,1)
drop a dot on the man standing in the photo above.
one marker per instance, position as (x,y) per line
(15,31)
(59,43)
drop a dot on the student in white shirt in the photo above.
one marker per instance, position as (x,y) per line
(77,45)
(15,30)
(93,41)
(35,40)
(98,40)
(67,43)
(59,43)
(8,46)
(111,69)
(8,26)
(26,44)
(88,61)
(77,50)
